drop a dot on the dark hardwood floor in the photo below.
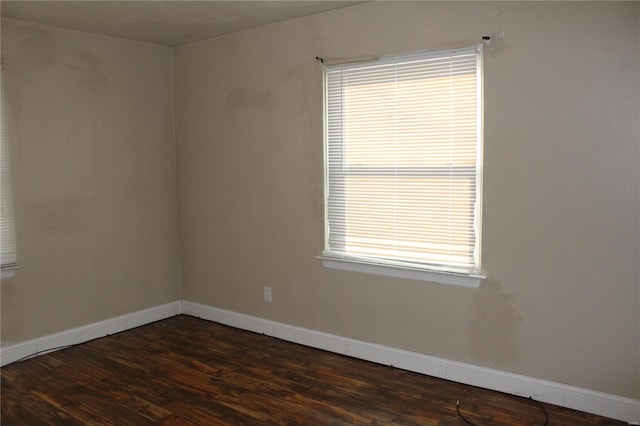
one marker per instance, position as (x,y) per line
(184,371)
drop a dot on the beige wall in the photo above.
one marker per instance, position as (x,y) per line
(91,134)
(561,212)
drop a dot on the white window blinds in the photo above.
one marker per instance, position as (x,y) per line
(403,156)
(7,231)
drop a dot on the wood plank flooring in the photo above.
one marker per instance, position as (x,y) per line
(188,371)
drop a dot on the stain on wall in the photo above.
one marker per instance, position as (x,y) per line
(304,77)
(240,100)
(304,84)
(250,112)
(88,69)
(69,213)
(494,326)
(37,49)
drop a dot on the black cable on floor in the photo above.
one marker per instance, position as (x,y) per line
(37,353)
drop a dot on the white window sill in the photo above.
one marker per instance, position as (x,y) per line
(434,276)
(8,271)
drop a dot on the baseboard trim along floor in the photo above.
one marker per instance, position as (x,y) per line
(590,401)
(13,353)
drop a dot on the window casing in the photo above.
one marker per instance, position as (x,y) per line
(403,153)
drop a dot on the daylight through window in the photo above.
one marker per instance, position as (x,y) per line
(403,161)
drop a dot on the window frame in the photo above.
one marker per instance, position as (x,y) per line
(446,274)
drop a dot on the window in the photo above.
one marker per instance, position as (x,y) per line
(8,257)
(403,148)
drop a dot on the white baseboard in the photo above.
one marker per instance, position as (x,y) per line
(590,401)
(88,332)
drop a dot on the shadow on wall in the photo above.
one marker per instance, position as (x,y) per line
(494,327)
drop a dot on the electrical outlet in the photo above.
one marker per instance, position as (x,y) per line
(267,294)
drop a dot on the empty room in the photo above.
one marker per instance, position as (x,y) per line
(320,212)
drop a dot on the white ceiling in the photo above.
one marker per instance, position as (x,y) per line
(163,22)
